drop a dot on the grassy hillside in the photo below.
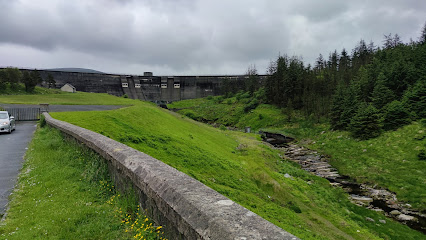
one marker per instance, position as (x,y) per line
(244,169)
(390,160)
(230,112)
(78,98)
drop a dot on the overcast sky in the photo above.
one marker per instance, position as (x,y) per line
(193,37)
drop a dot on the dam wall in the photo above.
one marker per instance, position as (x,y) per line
(146,87)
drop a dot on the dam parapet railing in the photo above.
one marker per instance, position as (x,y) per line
(185,207)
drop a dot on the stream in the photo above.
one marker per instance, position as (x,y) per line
(380,200)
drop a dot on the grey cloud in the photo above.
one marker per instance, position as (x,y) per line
(194,36)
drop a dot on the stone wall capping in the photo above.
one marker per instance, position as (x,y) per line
(185,207)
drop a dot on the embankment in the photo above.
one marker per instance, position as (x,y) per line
(184,206)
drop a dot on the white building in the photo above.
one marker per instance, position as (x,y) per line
(68,88)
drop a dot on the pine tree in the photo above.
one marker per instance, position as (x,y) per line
(395,116)
(414,99)
(13,76)
(382,95)
(366,123)
(50,81)
(422,38)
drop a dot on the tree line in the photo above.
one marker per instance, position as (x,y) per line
(365,91)
(12,77)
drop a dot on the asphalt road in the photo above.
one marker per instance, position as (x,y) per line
(12,149)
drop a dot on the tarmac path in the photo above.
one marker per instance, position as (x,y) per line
(12,150)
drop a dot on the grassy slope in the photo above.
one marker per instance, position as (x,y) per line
(241,167)
(230,113)
(64,192)
(389,160)
(78,98)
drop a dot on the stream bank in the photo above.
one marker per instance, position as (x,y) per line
(380,200)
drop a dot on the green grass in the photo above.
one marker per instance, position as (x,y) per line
(64,192)
(78,98)
(389,161)
(244,169)
(230,112)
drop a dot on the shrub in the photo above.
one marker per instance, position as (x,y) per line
(366,123)
(217,99)
(395,115)
(42,121)
(222,127)
(125,96)
(422,155)
(242,95)
(251,105)
(423,122)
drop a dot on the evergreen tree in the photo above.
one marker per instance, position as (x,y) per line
(349,107)
(422,38)
(31,80)
(395,115)
(337,108)
(253,83)
(382,95)
(3,79)
(414,99)
(13,77)
(366,123)
(50,81)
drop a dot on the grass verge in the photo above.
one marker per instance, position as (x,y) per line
(64,192)
(244,169)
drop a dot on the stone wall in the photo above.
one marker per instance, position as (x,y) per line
(184,206)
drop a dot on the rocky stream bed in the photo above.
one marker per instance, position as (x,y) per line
(380,200)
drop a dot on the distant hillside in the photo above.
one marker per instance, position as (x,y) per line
(82,70)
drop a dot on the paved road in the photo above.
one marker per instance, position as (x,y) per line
(66,108)
(12,150)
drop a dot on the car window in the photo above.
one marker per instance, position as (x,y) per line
(4,116)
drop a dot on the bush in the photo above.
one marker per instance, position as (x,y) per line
(251,105)
(423,122)
(191,115)
(42,121)
(422,155)
(218,99)
(242,95)
(222,127)
(366,123)
(395,115)
(125,96)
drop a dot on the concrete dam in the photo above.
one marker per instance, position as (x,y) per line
(147,87)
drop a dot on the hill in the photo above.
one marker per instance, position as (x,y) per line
(81,70)
(244,169)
